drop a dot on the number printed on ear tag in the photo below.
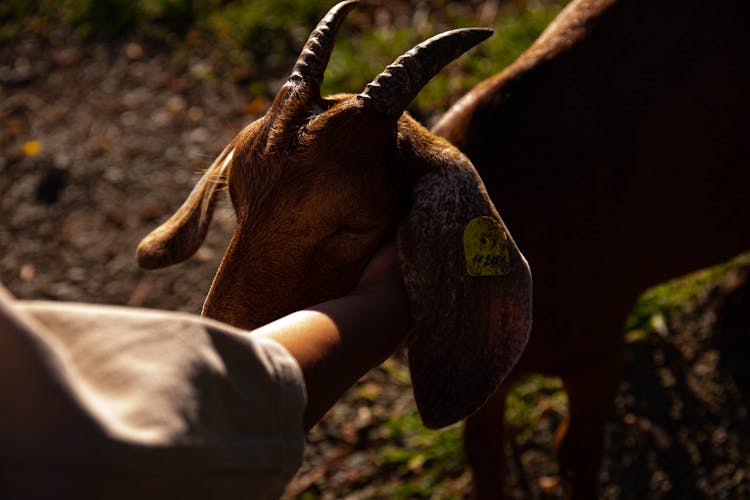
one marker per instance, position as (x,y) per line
(486,248)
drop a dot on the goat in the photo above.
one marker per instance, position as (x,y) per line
(615,147)
(318,184)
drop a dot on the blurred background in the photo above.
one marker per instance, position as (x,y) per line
(109,111)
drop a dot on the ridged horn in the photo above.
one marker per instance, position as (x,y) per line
(313,59)
(393,89)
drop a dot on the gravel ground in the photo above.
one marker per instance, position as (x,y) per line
(99,143)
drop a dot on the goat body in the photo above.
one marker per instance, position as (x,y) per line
(616,148)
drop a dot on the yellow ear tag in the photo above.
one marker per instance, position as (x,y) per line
(486,248)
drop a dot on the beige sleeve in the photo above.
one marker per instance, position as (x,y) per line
(114,402)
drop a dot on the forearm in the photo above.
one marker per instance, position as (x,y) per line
(338,341)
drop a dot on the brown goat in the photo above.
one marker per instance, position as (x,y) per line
(616,148)
(318,184)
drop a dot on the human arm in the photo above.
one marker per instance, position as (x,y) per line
(338,341)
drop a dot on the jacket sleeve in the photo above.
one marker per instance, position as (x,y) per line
(105,402)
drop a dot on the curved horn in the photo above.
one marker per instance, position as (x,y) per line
(312,61)
(393,89)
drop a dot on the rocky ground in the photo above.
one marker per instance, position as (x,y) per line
(100,142)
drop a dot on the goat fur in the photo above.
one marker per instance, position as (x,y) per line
(615,147)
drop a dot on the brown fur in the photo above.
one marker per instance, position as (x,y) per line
(318,185)
(616,149)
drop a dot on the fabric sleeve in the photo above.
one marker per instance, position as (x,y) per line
(115,402)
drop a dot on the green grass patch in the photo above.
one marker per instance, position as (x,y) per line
(357,59)
(430,464)
(531,398)
(420,458)
(663,299)
(260,39)
(514,33)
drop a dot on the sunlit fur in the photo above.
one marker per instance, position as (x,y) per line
(324,209)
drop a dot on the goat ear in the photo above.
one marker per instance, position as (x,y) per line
(469,288)
(183,233)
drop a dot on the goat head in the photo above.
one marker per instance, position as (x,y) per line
(319,183)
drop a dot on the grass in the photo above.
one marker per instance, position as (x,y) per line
(429,464)
(258,40)
(663,299)
(420,458)
(514,32)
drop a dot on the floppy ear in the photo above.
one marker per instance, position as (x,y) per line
(469,286)
(470,309)
(182,234)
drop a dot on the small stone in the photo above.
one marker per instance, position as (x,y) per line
(548,484)
(176,104)
(133,51)
(27,272)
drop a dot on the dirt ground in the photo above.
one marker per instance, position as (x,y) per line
(100,142)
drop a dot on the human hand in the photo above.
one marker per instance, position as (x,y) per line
(336,342)
(382,271)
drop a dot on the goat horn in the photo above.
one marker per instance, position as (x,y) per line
(312,61)
(393,89)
